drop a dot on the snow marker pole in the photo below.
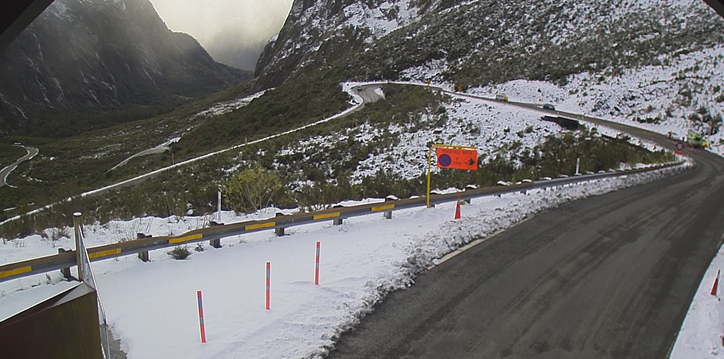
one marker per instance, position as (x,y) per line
(716,284)
(218,217)
(201,318)
(578,166)
(268,283)
(316,268)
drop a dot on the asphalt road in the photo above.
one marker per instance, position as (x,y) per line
(150,151)
(606,277)
(366,92)
(5,172)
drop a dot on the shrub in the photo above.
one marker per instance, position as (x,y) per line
(252,189)
(58,233)
(179,253)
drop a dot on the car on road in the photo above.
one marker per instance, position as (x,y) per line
(549,107)
(501,97)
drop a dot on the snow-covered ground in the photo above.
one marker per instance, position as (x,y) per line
(702,333)
(152,306)
(486,126)
(672,93)
(233,105)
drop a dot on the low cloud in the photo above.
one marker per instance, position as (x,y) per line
(234,32)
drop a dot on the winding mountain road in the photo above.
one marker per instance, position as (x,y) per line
(5,172)
(610,276)
(365,92)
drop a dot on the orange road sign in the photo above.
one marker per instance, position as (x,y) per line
(457,158)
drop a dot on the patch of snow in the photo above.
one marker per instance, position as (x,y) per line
(670,93)
(152,306)
(226,107)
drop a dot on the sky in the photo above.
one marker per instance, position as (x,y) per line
(234,32)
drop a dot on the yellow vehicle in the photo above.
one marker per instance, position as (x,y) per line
(696,140)
(501,97)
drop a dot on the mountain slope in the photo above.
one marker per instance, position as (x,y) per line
(479,42)
(323,31)
(89,55)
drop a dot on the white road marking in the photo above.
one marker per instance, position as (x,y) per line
(474,243)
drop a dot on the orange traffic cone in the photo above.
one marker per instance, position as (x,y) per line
(457,209)
(716,284)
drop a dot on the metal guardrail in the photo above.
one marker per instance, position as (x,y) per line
(68,259)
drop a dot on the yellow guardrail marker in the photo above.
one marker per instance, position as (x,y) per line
(104,253)
(185,239)
(383,208)
(262,225)
(325,216)
(17,271)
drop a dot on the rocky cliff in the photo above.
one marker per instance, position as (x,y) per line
(100,55)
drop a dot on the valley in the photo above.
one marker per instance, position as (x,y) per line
(140,129)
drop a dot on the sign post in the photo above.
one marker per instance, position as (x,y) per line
(451,156)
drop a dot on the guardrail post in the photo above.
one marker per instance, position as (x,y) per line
(65,271)
(388,214)
(144,256)
(338,222)
(279,231)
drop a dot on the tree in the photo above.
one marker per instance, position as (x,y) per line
(252,189)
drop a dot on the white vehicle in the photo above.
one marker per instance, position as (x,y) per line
(501,97)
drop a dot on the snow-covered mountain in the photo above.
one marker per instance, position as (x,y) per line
(101,54)
(634,60)
(323,31)
(484,41)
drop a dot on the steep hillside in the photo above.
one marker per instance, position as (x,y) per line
(91,55)
(482,42)
(323,31)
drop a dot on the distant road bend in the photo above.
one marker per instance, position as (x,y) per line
(365,92)
(610,276)
(5,172)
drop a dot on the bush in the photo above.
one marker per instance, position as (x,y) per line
(58,233)
(179,253)
(252,189)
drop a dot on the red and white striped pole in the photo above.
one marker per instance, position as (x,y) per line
(201,317)
(268,283)
(316,268)
(715,287)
